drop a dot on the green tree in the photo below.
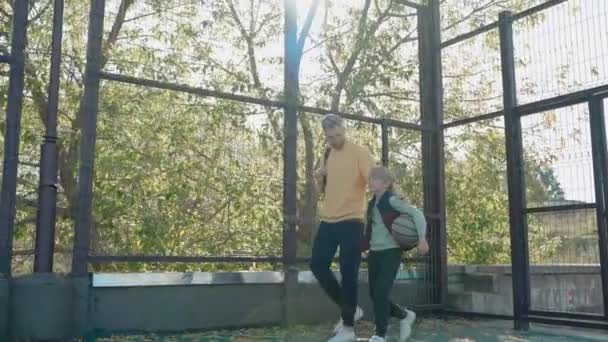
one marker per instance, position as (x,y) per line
(177,174)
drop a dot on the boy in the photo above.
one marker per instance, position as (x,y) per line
(385,253)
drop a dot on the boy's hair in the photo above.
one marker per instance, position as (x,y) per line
(382,173)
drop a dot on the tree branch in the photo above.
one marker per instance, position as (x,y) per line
(250,49)
(359,44)
(141,16)
(237,19)
(40,13)
(116,27)
(333,63)
(392,95)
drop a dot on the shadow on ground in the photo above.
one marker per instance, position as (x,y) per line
(432,330)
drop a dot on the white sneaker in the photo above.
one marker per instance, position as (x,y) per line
(358,316)
(376,338)
(405,325)
(345,334)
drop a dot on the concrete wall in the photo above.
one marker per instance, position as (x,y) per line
(41,307)
(487,289)
(55,307)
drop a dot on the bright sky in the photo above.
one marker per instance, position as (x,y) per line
(571,42)
(567,52)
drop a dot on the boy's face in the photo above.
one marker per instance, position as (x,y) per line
(377,185)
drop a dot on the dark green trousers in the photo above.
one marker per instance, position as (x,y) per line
(382,270)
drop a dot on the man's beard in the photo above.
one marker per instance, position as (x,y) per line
(338,146)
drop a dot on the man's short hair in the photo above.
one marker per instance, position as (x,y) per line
(331,121)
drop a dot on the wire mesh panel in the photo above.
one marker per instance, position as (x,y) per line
(405,161)
(557,150)
(179,175)
(472,85)
(476,191)
(562,227)
(564,237)
(561,49)
(459,18)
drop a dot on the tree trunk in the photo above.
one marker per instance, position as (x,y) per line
(309,218)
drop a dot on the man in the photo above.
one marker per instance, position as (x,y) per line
(342,177)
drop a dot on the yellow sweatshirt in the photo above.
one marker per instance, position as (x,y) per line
(347,173)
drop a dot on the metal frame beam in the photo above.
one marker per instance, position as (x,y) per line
(515,173)
(412,4)
(597,122)
(47,190)
(566,315)
(212,259)
(12,133)
(568,322)
(581,206)
(460,122)
(88,123)
(290,144)
(561,101)
(491,26)
(188,89)
(252,100)
(385,144)
(530,108)
(433,163)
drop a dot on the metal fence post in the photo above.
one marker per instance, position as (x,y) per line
(47,195)
(291,135)
(385,147)
(600,177)
(88,123)
(8,199)
(291,84)
(433,163)
(515,173)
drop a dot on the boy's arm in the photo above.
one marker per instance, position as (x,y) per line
(414,213)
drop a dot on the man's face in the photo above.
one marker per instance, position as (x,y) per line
(335,137)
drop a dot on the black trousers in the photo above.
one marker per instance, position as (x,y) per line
(347,235)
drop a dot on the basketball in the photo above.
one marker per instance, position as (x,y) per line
(404,232)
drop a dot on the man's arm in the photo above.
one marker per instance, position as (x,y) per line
(366,162)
